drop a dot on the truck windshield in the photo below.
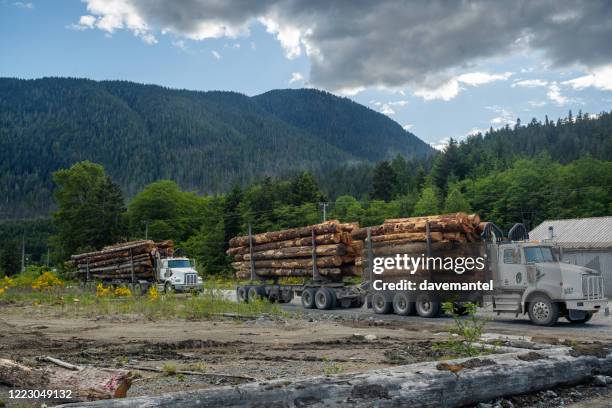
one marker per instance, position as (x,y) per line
(538,254)
(179,263)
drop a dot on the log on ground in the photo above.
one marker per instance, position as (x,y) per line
(86,384)
(430,384)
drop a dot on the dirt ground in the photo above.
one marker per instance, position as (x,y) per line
(231,351)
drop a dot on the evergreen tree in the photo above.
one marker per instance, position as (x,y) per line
(304,189)
(232,219)
(456,202)
(428,203)
(10,258)
(384,181)
(90,209)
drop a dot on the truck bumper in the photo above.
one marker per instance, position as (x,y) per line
(587,305)
(188,288)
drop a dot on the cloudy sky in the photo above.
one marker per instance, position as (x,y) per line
(439,68)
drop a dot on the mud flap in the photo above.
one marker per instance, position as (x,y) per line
(577,314)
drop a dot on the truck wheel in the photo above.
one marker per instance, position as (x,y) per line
(324,299)
(380,304)
(543,311)
(286,296)
(580,321)
(308,298)
(168,288)
(255,292)
(427,306)
(241,294)
(402,305)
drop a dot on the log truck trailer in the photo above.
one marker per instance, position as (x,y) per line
(527,276)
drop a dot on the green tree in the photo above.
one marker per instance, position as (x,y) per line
(456,202)
(304,189)
(168,212)
(232,219)
(428,203)
(90,209)
(384,181)
(10,258)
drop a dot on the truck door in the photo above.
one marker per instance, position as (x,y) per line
(512,271)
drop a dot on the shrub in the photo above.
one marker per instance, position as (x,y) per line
(123,292)
(46,282)
(153,293)
(102,291)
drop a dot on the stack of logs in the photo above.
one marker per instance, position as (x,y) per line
(120,260)
(290,252)
(450,236)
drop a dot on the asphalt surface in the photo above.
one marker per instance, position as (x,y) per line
(598,329)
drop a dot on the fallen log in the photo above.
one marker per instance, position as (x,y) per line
(453,383)
(86,384)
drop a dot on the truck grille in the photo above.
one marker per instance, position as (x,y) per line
(190,279)
(592,287)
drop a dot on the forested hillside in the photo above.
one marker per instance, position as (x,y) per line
(205,141)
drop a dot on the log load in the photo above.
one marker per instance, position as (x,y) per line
(120,260)
(289,252)
(451,236)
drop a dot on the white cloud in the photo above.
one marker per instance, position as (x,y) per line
(296,77)
(23,5)
(440,144)
(351,91)
(85,23)
(530,83)
(554,94)
(408,126)
(215,55)
(451,88)
(504,116)
(445,92)
(474,131)
(290,37)
(536,104)
(387,110)
(481,78)
(600,78)
(180,44)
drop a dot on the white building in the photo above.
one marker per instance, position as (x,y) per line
(584,241)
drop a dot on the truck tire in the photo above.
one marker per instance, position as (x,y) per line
(580,321)
(380,304)
(241,294)
(286,296)
(325,299)
(168,288)
(402,305)
(427,306)
(308,298)
(255,292)
(543,311)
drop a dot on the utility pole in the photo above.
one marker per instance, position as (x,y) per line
(324,205)
(23,252)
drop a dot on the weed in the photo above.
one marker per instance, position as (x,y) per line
(333,368)
(467,330)
(169,369)
(180,377)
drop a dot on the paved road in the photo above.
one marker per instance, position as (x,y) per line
(599,328)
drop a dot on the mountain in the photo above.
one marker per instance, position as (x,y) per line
(205,141)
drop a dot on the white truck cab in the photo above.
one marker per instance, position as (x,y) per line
(178,274)
(530,279)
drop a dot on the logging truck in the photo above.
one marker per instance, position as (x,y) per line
(526,278)
(139,265)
